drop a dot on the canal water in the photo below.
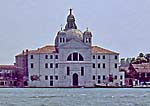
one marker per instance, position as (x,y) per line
(74,97)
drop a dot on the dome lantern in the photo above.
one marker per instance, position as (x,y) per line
(70,21)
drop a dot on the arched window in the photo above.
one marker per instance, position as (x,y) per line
(69,57)
(80,58)
(60,40)
(89,40)
(63,39)
(75,57)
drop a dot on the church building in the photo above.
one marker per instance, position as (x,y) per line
(72,62)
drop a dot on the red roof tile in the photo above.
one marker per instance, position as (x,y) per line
(144,67)
(45,49)
(9,67)
(96,49)
(51,49)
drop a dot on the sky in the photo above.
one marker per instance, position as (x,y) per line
(118,25)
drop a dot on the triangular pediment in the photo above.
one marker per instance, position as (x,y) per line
(74,43)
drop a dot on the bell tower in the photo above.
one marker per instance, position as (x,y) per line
(87,37)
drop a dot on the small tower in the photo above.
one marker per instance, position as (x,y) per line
(87,37)
(61,38)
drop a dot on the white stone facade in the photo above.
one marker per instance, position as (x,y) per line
(73,61)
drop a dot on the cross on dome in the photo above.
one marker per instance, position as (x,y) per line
(70,10)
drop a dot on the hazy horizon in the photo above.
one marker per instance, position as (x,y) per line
(121,25)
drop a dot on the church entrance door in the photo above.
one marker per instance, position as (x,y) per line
(75,79)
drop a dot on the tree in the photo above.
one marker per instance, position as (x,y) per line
(141,55)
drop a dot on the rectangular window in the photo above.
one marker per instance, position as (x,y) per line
(116,57)
(75,56)
(11,82)
(148,75)
(51,83)
(121,77)
(51,56)
(99,57)
(15,83)
(46,65)
(115,76)
(99,65)
(93,65)
(99,77)
(46,77)
(31,57)
(46,56)
(93,56)
(56,77)
(51,77)
(8,75)
(32,65)
(99,81)
(68,71)
(121,83)
(103,56)
(51,65)
(116,65)
(93,77)
(82,71)
(136,82)
(2,83)
(104,77)
(56,56)
(104,65)
(142,75)
(56,65)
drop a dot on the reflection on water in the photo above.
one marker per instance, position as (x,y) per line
(74,97)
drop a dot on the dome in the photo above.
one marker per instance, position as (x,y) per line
(87,33)
(61,32)
(74,33)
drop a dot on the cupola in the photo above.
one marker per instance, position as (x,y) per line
(70,22)
(87,37)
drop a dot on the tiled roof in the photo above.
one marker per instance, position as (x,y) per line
(51,49)
(144,67)
(45,49)
(9,67)
(96,49)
